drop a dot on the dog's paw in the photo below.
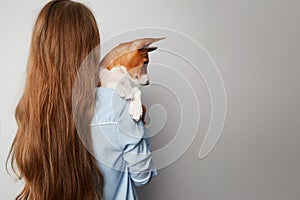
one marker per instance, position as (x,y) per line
(121,93)
(135,110)
(124,92)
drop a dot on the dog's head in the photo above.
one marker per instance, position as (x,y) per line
(133,56)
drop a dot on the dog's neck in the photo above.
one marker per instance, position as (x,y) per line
(118,79)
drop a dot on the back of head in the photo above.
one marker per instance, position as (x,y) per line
(49,150)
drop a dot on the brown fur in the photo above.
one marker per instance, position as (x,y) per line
(133,61)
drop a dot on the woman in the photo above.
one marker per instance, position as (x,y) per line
(54,146)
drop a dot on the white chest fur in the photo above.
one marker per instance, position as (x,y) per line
(119,80)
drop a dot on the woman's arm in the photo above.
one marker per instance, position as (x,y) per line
(134,140)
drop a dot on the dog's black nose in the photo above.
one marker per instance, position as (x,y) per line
(147,83)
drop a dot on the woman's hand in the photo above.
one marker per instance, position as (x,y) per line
(144,113)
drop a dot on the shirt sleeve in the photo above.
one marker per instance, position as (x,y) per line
(135,143)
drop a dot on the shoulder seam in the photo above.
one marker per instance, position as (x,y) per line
(103,123)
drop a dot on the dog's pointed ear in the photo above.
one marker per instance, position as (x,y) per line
(126,47)
(144,43)
(151,49)
(146,50)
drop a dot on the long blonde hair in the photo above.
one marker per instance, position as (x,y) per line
(48,150)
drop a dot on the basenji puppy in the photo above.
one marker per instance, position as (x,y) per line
(126,64)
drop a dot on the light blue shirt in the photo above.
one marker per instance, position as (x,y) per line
(121,146)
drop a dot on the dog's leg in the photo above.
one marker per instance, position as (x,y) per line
(136,109)
(123,91)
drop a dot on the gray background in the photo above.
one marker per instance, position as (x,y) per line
(256,47)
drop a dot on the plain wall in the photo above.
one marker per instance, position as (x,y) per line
(255,45)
